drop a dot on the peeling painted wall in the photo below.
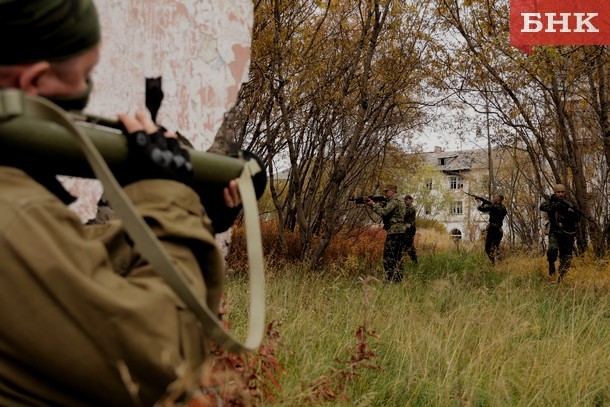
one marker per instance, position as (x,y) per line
(201,48)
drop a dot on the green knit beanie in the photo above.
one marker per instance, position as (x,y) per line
(46,30)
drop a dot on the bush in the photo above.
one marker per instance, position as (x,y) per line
(358,250)
(275,255)
(355,252)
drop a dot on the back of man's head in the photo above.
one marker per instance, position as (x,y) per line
(46,30)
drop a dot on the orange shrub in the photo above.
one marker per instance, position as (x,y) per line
(275,255)
(355,250)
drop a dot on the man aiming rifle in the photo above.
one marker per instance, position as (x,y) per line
(478,198)
(392,214)
(563,218)
(497,212)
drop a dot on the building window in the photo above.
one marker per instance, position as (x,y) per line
(428,209)
(456,208)
(441,161)
(455,183)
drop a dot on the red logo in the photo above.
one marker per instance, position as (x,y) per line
(559,22)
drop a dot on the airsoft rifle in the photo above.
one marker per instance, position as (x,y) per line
(479,198)
(361,200)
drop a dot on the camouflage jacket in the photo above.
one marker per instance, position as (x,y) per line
(86,312)
(562,220)
(392,214)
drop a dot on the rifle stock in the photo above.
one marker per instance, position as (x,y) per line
(576,209)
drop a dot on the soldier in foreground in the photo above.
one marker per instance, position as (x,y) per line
(86,320)
(393,216)
(563,218)
(410,228)
(497,212)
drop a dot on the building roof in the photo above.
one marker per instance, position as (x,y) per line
(456,161)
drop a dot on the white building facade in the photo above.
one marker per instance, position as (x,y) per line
(462,171)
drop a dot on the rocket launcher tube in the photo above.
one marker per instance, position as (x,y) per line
(13,104)
(48,145)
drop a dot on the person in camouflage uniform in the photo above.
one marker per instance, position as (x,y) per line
(497,212)
(563,222)
(87,321)
(410,228)
(393,216)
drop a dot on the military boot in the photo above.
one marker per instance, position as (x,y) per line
(551,269)
(564,265)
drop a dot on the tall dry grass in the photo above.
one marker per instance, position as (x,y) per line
(455,332)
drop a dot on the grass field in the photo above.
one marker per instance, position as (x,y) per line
(455,332)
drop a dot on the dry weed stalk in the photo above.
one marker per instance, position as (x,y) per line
(331,387)
(242,380)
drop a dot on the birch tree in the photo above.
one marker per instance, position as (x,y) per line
(334,85)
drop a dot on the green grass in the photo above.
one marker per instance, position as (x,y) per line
(455,332)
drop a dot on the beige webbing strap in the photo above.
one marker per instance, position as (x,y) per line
(20,103)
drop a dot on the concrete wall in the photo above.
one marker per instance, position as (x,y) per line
(201,48)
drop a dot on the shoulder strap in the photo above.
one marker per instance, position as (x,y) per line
(16,103)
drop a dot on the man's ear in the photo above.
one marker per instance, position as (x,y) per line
(31,76)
